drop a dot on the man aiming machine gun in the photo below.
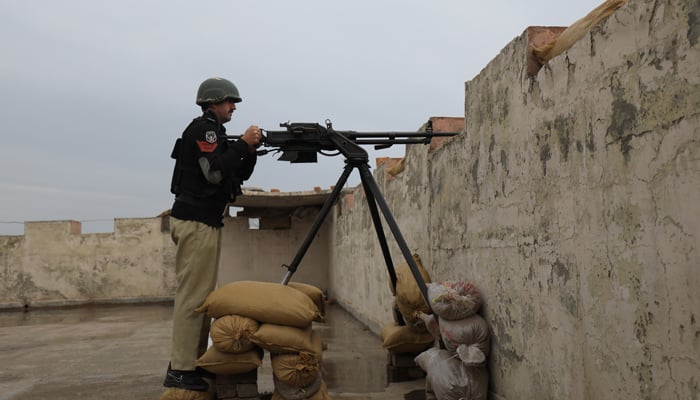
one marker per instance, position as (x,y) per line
(302,142)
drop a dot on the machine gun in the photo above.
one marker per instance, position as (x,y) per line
(302,142)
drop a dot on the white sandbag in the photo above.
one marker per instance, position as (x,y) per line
(469,331)
(471,355)
(453,300)
(450,379)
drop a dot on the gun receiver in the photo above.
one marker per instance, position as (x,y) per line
(301,142)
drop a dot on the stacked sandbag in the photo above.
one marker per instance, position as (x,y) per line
(251,317)
(406,336)
(409,298)
(457,371)
(297,367)
(184,394)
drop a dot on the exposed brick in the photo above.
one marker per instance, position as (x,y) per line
(538,36)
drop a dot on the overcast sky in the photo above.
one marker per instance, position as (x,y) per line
(94,93)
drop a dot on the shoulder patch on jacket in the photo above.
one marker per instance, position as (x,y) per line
(210,137)
(206,147)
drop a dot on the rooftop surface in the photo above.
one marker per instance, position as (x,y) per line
(121,352)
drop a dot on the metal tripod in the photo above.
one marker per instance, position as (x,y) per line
(356,157)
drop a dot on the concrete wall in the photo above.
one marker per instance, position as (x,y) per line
(54,264)
(573,201)
(258,254)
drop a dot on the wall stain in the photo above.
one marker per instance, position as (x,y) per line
(492,145)
(627,218)
(694,24)
(590,139)
(559,270)
(474,171)
(545,155)
(623,121)
(563,129)
(504,161)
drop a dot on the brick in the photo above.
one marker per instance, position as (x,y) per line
(247,390)
(402,374)
(401,359)
(237,387)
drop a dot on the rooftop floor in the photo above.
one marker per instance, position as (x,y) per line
(121,352)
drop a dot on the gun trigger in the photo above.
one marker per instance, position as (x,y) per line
(381,146)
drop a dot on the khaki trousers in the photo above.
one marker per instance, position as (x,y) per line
(196,268)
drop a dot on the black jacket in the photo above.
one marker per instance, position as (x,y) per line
(209,171)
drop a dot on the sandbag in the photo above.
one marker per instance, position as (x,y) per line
(402,339)
(218,362)
(431,325)
(293,392)
(321,394)
(183,394)
(231,333)
(295,369)
(453,300)
(284,339)
(409,298)
(576,31)
(315,294)
(450,379)
(473,330)
(471,355)
(262,301)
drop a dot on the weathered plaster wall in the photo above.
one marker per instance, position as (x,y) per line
(54,264)
(258,254)
(573,201)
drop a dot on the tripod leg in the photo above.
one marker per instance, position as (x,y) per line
(335,194)
(372,204)
(368,182)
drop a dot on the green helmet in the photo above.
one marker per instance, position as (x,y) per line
(215,90)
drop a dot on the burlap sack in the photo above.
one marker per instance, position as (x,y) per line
(221,363)
(183,394)
(262,301)
(453,300)
(231,333)
(576,31)
(473,330)
(409,298)
(315,294)
(449,379)
(402,339)
(284,339)
(296,369)
(321,394)
(294,392)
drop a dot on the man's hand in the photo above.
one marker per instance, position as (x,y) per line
(252,136)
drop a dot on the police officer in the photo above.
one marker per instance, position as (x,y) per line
(208,174)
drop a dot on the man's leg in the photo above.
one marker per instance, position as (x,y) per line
(196,266)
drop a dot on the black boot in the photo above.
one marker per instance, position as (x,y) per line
(189,380)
